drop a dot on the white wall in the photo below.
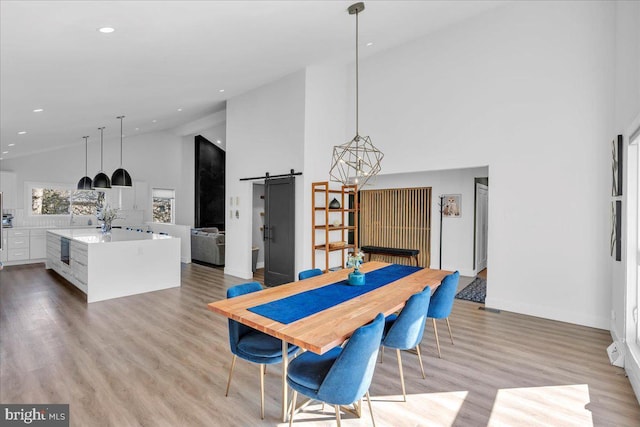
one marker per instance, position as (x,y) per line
(457,245)
(325,125)
(155,158)
(627,107)
(526,89)
(265,133)
(257,216)
(627,119)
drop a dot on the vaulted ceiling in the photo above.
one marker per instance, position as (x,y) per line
(171,62)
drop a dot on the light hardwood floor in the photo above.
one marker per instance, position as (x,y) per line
(162,358)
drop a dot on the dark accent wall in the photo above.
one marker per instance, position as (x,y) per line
(209,184)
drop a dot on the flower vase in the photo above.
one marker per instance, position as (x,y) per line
(356,278)
(106,227)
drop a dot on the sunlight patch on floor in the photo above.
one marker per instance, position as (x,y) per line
(438,408)
(542,406)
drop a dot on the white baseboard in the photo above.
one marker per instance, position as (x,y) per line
(632,367)
(548,313)
(242,274)
(185,260)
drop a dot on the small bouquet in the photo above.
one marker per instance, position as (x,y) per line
(107,215)
(355,260)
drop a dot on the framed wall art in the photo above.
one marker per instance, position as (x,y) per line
(452,206)
(616,230)
(616,166)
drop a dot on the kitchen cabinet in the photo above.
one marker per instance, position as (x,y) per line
(122,263)
(17,245)
(24,245)
(9,189)
(4,252)
(79,258)
(37,244)
(135,198)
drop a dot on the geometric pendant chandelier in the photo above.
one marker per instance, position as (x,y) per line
(101,180)
(358,160)
(121,177)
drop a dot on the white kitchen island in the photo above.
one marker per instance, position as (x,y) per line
(119,264)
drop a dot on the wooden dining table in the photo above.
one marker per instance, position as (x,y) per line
(328,328)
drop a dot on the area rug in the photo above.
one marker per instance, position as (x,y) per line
(475,291)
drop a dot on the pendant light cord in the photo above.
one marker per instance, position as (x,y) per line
(86,155)
(101,152)
(120,117)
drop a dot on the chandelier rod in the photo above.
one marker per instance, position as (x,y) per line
(357,72)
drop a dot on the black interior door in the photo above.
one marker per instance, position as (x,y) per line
(279,231)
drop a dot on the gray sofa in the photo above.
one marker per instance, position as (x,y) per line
(207,245)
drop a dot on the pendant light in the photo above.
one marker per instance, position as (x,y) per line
(85,182)
(358,160)
(121,177)
(101,180)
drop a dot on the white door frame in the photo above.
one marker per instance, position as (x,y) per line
(631,192)
(481,238)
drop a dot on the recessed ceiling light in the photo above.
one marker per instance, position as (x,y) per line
(218,141)
(5,152)
(38,110)
(11,145)
(153,121)
(179,109)
(370,44)
(137,128)
(22,132)
(221,90)
(106,30)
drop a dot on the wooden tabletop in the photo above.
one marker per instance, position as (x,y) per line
(322,331)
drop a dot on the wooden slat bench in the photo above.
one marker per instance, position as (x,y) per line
(381,250)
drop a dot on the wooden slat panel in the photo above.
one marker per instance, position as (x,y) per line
(397,218)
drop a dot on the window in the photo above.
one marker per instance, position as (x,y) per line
(47,199)
(163,205)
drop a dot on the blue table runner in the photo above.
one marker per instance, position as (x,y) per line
(295,307)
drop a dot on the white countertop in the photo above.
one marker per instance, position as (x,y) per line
(117,235)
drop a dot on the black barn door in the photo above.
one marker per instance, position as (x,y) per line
(279,231)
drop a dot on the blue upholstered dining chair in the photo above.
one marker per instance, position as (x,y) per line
(309,273)
(442,303)
(404,331)
(252,345)
(342,375)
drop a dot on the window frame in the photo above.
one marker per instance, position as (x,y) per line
(29,186)
(172,200)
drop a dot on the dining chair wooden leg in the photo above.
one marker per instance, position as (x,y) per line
(262,391)
(420,360)
(233,364)
(293,407)
(370,408)
(404,394)
(435,332)
(337,414)
(450,334)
